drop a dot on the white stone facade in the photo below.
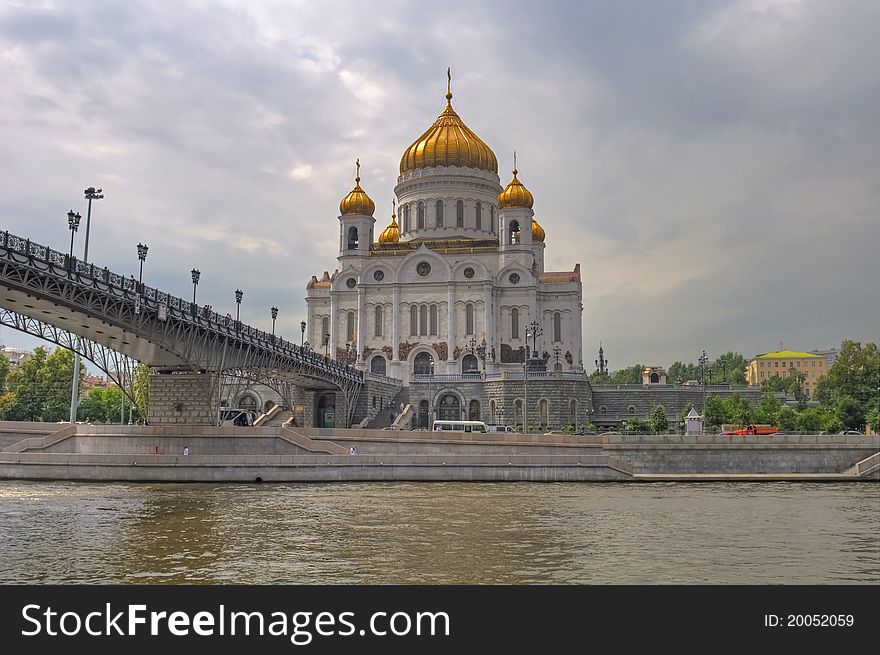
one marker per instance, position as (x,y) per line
(462,272)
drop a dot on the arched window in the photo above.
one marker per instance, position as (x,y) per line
(423,364)
(247,401)
(544,412)
(413,320)
(573,412)
(514,234)
(379,321)
(459,214)
(479,218)
(439,222)
(423,319)
(518,411)
(631,409)
(603,410)
(450,408)
(434,321)
(492,218)
(325,329)
(352,238)
(350,327)
(469,364)
(377,365)
(514,323)
(469,319)
(406,219)
(493,414)
(557,326)
(423,414)
(420,216)
(474,410)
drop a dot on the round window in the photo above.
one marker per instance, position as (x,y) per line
(379,276)
(350,283)
(469,272)
(514,278)
(423,269)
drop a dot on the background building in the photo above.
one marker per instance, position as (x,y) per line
(782,362)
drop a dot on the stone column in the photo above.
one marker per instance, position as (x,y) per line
(395,323)
(334,324)
(450,323)
(361,323)
(488,323)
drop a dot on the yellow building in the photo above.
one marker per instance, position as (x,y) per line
(780,363)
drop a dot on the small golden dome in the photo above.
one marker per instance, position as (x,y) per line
(390,234)
(537,232)
(515,195)
(357,202)
(448,142)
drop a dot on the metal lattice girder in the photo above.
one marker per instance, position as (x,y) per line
(118,368)
(118,315)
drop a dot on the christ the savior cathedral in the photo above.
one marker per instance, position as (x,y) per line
(455,284)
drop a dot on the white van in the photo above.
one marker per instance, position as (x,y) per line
(238,417)
(491,427)
(458,426)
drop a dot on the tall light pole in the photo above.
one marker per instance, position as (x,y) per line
(73,223)
(326,345)
(142,249)
(274,311)
(90,194)
(196,274)
(238,296)
(704,359)
(302,335)
(526,389)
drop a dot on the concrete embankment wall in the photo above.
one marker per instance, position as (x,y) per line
(87,452)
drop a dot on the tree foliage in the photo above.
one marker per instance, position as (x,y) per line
(657,419)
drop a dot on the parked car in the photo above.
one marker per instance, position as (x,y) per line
(850,432)
(585,432)
(494,427)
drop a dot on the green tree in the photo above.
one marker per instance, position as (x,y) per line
(142,374)
(775,384)
(631,375)
(27,386)
(55,379)
(809,420)
(4,373)
(635,424)
(872,418)
(730,368)
(786,419)
(850,412)
(855,373)
(657,419)
(738,409)
(767,409)
(715,412)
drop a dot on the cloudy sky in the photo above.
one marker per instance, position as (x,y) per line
(713,166)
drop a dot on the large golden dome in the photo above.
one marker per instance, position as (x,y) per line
(538,233)
(448,142)
(357,202)
(390,234)
(515,195)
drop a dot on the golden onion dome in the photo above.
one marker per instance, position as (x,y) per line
(357,202)
(390,234)
(448,142)
(537,232)
(515,195)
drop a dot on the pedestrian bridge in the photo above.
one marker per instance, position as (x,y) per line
(114,320)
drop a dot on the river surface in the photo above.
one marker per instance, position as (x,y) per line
(589,533)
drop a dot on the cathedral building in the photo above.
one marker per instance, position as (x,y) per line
(455,283)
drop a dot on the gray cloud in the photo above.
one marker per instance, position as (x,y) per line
(712,166)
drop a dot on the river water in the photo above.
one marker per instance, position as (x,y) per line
(589,533)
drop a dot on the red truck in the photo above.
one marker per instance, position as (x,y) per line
(753,429)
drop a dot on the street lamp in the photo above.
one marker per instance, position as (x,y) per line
(196,274)
(90,194)
(704,359)
(274,311)
(557,351)
(73,224)
(302,335)
(142,257)
(526,388)
(326,344)
(238,296)
(536,332)
(482,353)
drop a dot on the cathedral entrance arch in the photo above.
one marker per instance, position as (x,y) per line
(450,408)
(423,414)
(423,364)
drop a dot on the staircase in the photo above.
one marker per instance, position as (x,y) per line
(383,419)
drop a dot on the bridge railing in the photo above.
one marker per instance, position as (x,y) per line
(164,304)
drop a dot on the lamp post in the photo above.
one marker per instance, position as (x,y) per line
(274,311)
(302,333)
(196,274)
(90,194)
(431,417)
(326,344)
(535,328)
(73,223)
(239,294)
(481,353)
(142,257)
(704,359)
(557,351)
(526,390)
